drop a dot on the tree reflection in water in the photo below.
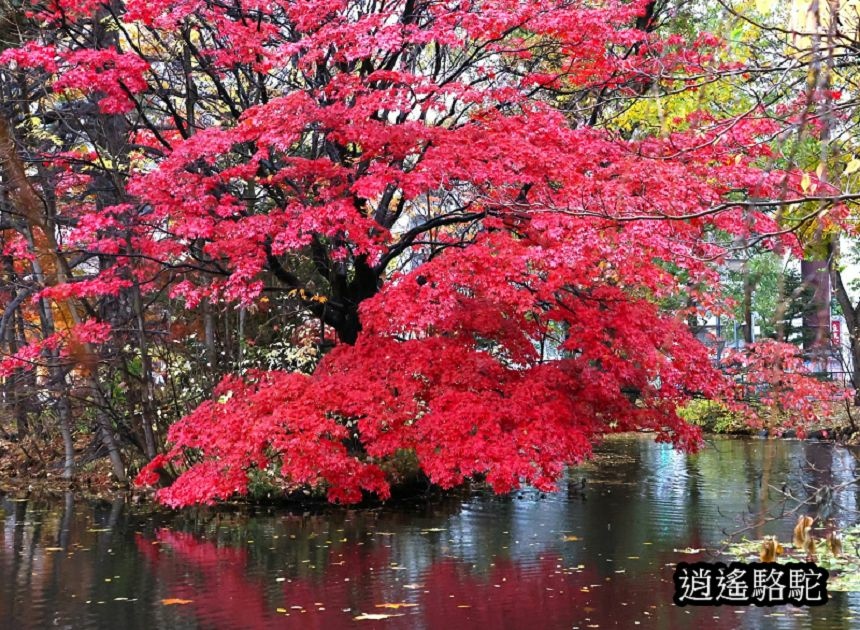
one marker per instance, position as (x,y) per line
(600,553)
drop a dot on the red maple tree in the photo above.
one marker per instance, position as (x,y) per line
(503,276)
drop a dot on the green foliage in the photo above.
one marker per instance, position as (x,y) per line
(712,416)
(777,295)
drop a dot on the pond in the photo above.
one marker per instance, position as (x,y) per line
(600,552)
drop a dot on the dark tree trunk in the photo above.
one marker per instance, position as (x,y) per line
(816,314)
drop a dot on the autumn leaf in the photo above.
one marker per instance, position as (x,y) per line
(176,602)
(374,616)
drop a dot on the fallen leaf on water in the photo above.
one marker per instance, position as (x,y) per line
(373,616)
(570,538)
(464,606)
(173,601)
(396,605)
(688,550)
(53,548)
(281,610)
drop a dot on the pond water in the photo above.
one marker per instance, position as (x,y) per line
(597,553)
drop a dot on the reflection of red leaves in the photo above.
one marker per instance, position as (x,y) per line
(229,584)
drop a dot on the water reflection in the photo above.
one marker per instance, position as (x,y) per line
(594,554)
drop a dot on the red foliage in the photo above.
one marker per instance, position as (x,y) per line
(789,396)
(64,343)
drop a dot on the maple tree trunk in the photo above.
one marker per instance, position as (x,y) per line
(16,385)
(209,338)
(748,314)
(365,284)
(148,398)
(65,422)
(816,315)
(855,372)
(112,447)
(59,390)
(850,311)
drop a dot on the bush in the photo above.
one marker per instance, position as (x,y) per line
(712,416)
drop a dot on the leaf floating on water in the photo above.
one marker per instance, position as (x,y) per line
(688,550)
(53,548)
(374,616)
(570,538)
(281,610)
(173,601)
(396,605)
(844,569)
